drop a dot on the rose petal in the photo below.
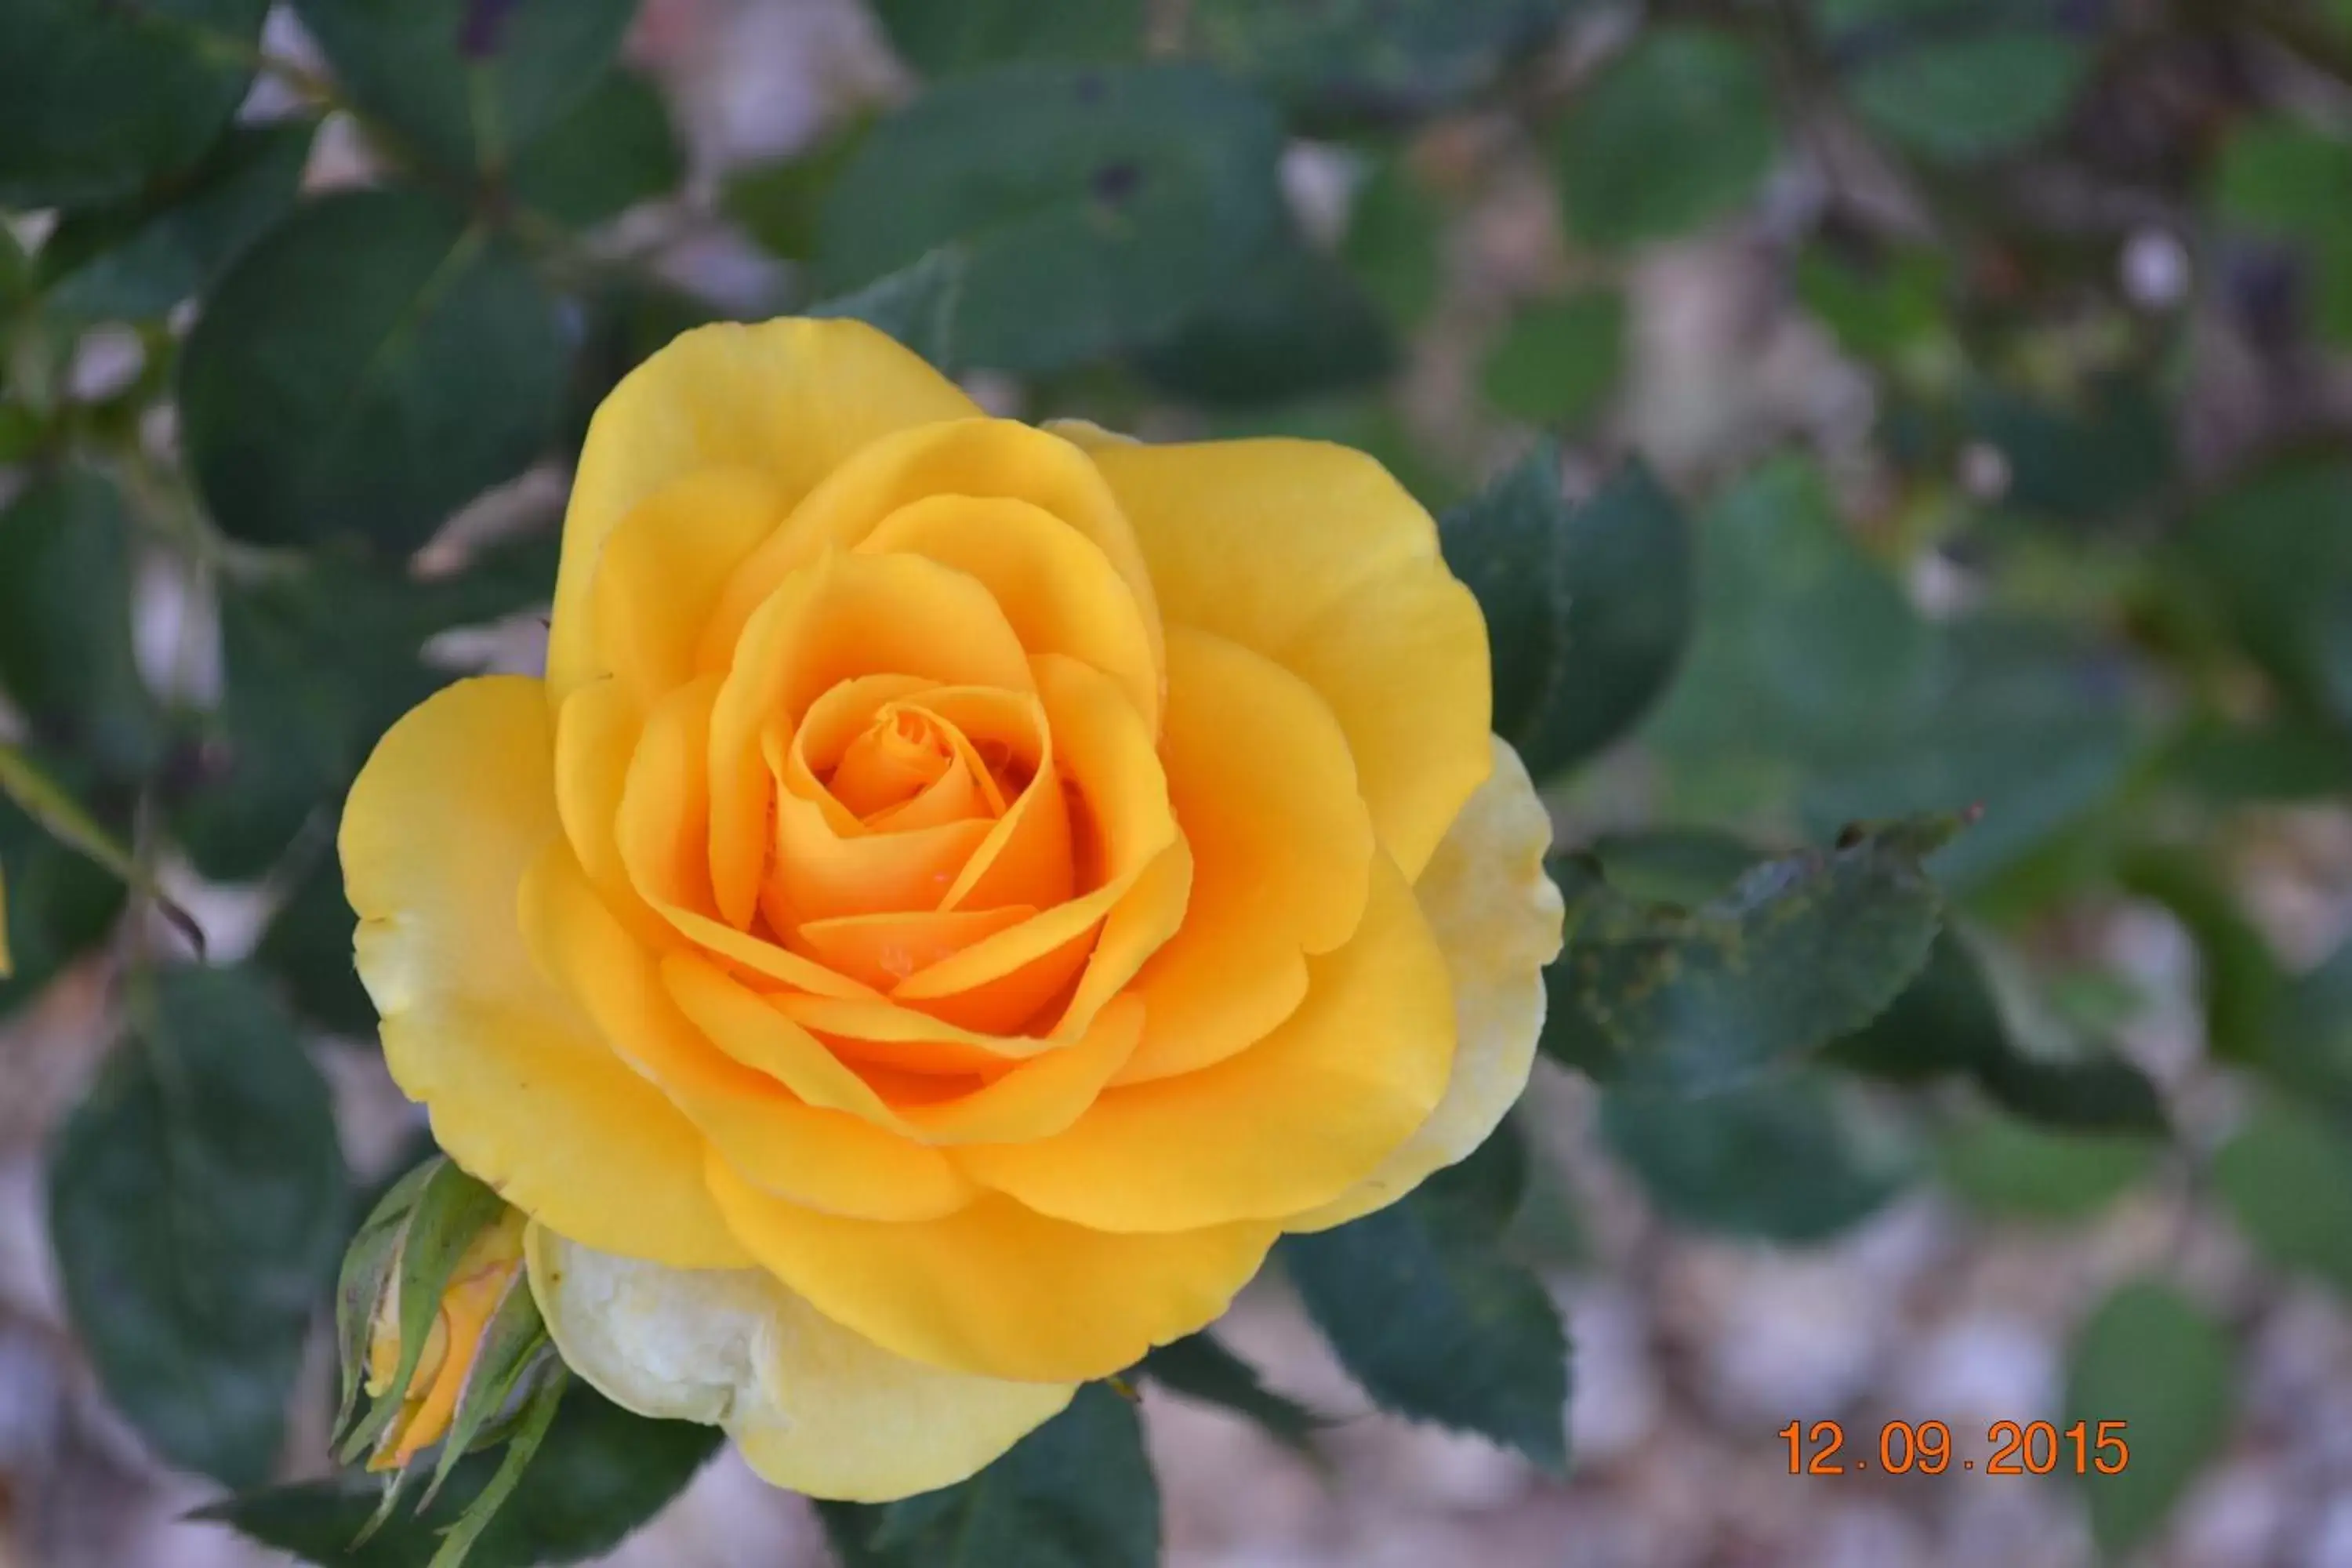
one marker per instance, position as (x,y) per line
(1056,587)
(1497,917)
(1314,557)
(832,1161)
(451,808)
(975,457)
(1282,846)
(1292,1121)
(814,1409)
(998,1289)
(663,831)
(791,398)
(840,616)
(664,567)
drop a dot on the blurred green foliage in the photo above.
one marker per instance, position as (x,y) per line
(2080,570)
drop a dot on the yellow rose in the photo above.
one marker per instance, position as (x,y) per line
(960,892)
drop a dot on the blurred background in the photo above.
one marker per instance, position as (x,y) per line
(1994,358)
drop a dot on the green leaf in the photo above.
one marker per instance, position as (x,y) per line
(1394,231)
(140,258)
(1295,324)
(95,100)
(2287,1175)
(1199,1367)
(2286,182)
(2276,555)
(600,1473)
(918,305)
(65,657)
(1424,1309)
(610,151)
(1098,208)
(1803,645)
(2309,1050)
(308,946)
(2110,454)
(1881,310)
(1795,1157)
(626,320)
(196,1199)
(1801,950)
(2237,976)
(1078,1492)
(1348,61)
(1813,678)
(1959,80)
(782,203)
(1672,136)
(2028,720)
(60,905)
(467,81)
(1949,1021)
(941,37)
(317,666)
(369,367)
(2152,1360)
(2012,1169)
(2284,757)
(1588,606)
(1557,363)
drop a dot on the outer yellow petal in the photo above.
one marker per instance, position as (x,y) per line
(454,805)
(792,398)
(1314,557)
(814,1409)
(1497,919)
(1295,1120)
(999,1289)
(666,564)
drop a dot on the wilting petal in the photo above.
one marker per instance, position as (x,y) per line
(815,1408)
(999,1289)
(1497,919)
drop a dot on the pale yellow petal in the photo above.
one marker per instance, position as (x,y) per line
(999,1289)
(814,1409)
(1497,920)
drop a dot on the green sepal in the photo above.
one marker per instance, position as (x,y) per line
(533,1430)
(513,1347)
(451,1209)
(360,1290)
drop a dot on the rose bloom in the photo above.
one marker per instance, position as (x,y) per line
(960,892)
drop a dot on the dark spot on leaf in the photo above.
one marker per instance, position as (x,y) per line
(1116,183)
(480,31)
(1852,834)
